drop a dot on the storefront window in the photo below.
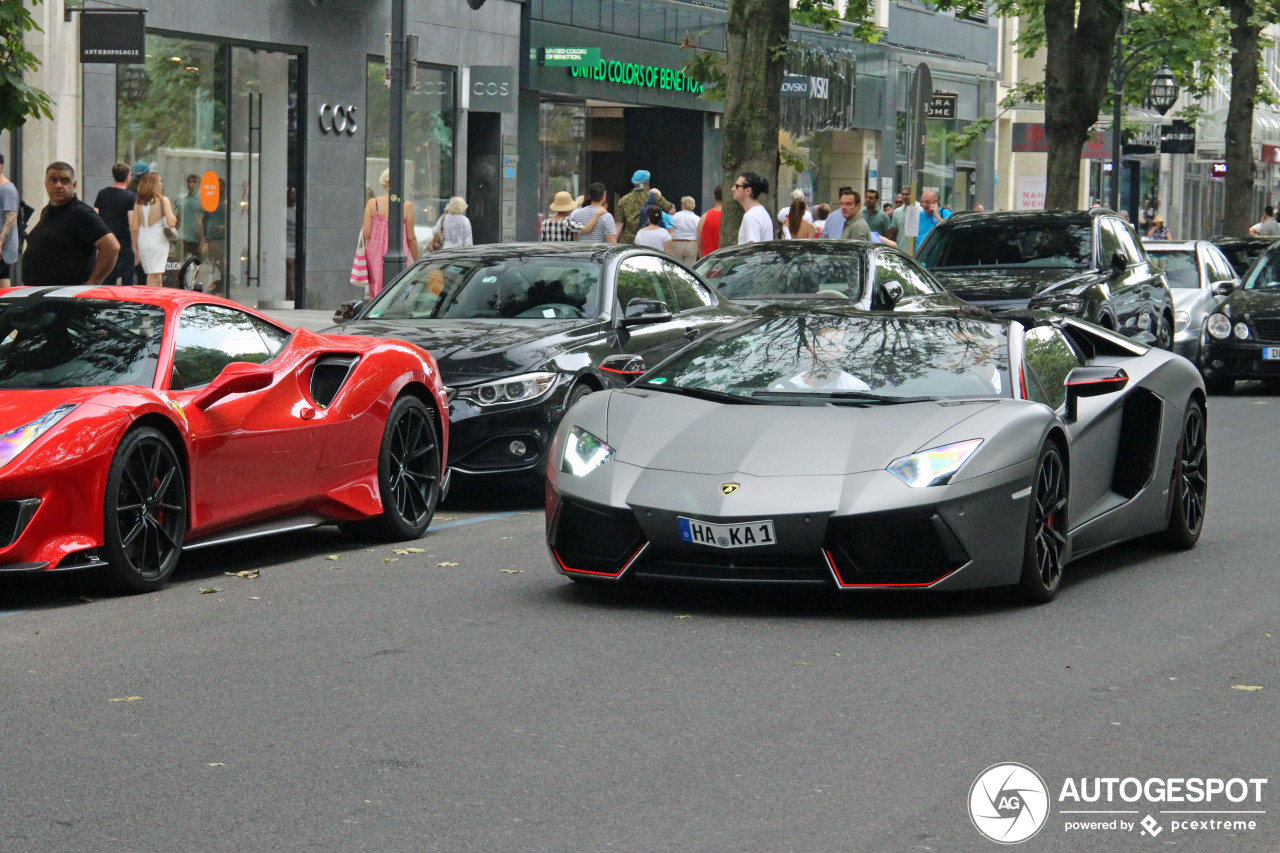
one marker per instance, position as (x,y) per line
(563,140)
(429,123)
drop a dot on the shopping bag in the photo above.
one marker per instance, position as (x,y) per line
(360,266)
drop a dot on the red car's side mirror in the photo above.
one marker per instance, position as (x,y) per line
(239,377)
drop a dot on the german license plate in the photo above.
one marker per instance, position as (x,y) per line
(1271,353)
(743,535)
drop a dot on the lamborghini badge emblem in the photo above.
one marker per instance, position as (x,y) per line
(729,488)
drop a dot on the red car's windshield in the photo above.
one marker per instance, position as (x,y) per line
(78,343)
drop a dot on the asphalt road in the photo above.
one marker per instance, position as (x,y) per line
(467,698)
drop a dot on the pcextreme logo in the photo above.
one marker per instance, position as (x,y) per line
(1009,803)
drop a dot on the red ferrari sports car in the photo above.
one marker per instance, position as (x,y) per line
(137,422)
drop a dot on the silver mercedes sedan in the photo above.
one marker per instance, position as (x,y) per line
(1200,277)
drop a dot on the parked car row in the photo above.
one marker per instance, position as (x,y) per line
(471,360)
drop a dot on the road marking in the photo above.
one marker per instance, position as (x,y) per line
(480,518)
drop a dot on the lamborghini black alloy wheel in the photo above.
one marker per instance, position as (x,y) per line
(1050,519)
(1190,481)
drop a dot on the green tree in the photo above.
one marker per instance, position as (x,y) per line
(1248,17)
(18,101)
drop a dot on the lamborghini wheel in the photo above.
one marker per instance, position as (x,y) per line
(144,513)
(408,472)
(1046,542)
(1190,481)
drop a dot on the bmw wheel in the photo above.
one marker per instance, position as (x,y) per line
(144,513)
(1046,543)
(408,472)
(1190,481)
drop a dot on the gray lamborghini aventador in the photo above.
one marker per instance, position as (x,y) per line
(880,451)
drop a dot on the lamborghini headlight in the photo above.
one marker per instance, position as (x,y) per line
(584,453)
(933,467)
(17,440)
(1219,326)
(515,389)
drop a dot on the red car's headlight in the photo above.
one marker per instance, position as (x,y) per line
(17,440)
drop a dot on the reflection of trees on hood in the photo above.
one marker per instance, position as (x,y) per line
(882,351)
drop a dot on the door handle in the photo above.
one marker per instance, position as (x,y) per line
(692,332)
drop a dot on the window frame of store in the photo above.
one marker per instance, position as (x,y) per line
(374,70)
(220,51)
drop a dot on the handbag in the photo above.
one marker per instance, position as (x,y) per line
(437,236)
(360,266)
(171,234)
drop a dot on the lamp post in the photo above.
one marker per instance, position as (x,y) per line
(1161,95)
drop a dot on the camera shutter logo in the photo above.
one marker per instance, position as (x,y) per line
(1009,803)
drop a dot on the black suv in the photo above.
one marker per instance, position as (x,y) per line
(1086,263)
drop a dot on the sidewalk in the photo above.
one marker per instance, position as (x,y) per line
(306,318)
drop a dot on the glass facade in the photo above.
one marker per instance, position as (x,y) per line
(204,112)
(430,119)
(562,139)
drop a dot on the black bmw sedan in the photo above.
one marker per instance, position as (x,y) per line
(520,332)
(1088,264)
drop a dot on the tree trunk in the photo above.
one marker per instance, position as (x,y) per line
(1077,70)
(756,36)
(1239,214)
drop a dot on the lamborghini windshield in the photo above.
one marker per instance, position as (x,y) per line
(78,343)
(529,288)
(840,358)
(770,272)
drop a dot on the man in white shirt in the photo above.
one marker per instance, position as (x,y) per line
(1268,227)
(606,230)
(757,225)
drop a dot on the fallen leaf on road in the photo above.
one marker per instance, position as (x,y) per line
(390,559)
(254,573)
(513,571)
(1246,687)
(255,598)
(126,699)
(334,557)
(445,517)
(446,564)
(416,550)
(804,663)
(215,764)
(682,617)
(209,590)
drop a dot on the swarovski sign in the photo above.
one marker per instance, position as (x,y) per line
(799,86)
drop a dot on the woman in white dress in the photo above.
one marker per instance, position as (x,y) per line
(152,214)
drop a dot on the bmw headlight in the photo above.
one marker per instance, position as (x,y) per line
(584,453)
(1219,325)
(933,467)
(17,440)
(514,389)
(1180,320)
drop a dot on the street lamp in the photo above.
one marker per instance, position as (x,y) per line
(1161,95)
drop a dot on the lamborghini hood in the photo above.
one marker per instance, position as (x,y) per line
(665,431)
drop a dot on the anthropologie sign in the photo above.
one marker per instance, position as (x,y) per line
(635,74)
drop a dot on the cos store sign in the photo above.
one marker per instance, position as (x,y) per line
(338,119)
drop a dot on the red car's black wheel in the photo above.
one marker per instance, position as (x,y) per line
(1190,481)
(408,472)
(1046,544)
(144,513)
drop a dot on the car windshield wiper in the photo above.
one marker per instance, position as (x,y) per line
(699,393)
(844,396)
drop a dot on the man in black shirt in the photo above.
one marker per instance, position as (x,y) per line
(60,249)
(115,205)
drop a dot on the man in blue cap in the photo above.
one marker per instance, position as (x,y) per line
(630,205)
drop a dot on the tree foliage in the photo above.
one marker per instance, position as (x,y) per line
(18,101)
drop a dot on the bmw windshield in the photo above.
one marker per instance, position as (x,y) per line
(531,288)
(78,343)
(835,358)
